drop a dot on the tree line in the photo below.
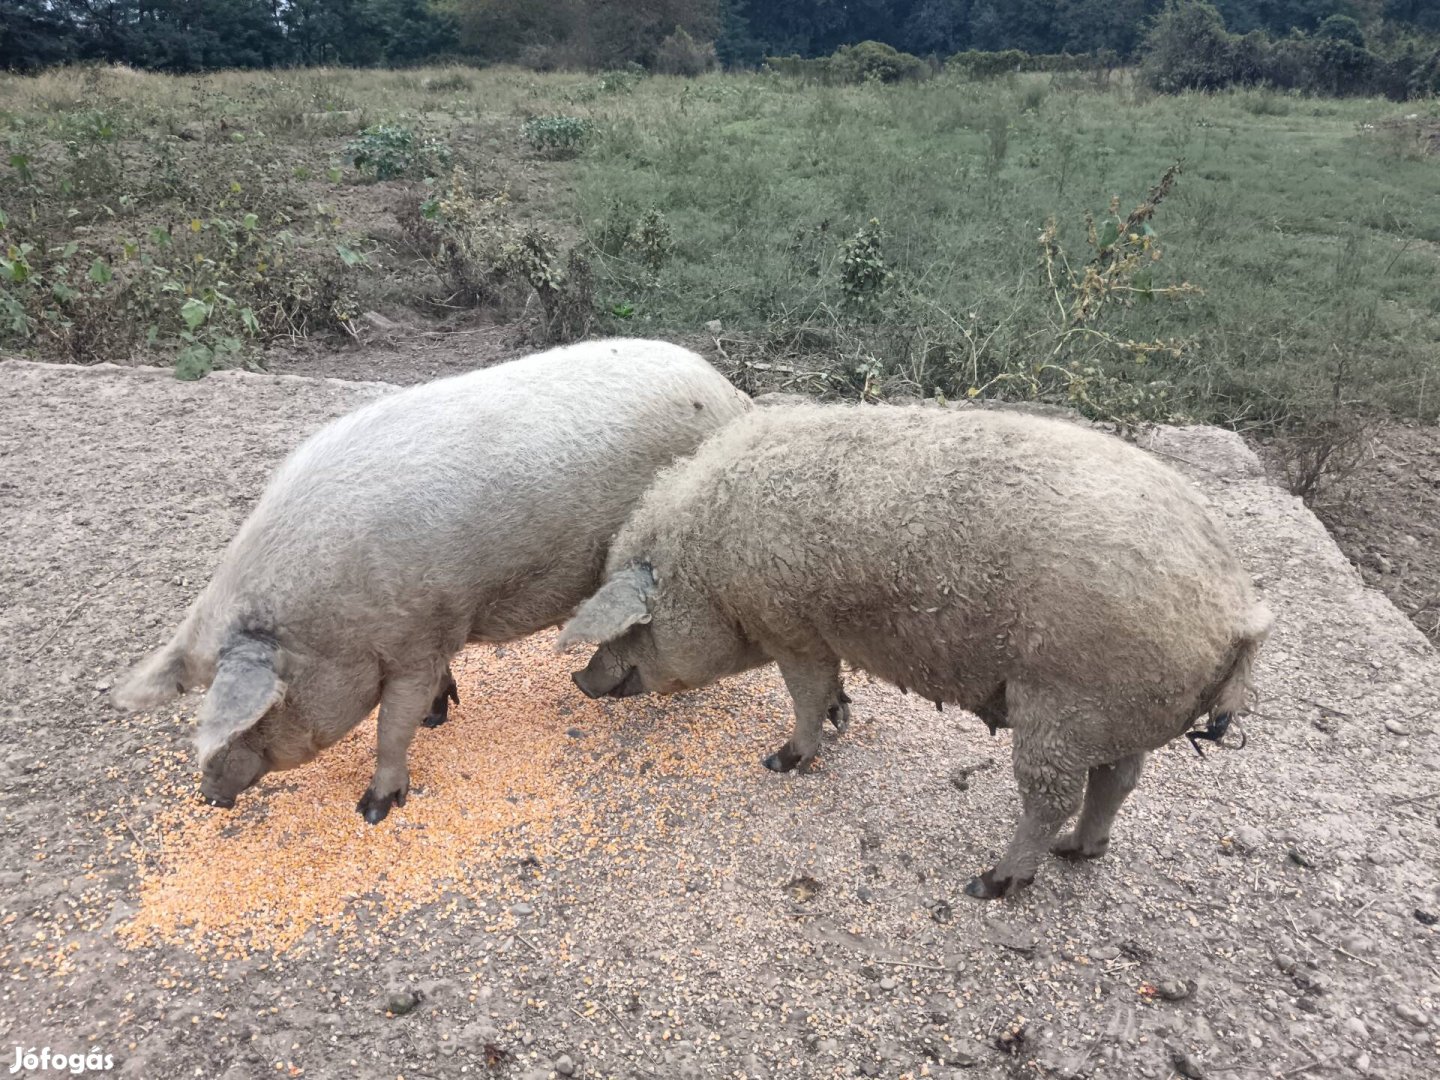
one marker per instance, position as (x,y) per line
(197,35)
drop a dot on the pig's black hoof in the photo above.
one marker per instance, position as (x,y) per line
(375,807)
(223,804)
(839,714)
(783,760)
(989,887)
(440,707)
(1068,847)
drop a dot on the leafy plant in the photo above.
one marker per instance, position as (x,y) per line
(558,135)
(864,274)
(651,240)
(388,152)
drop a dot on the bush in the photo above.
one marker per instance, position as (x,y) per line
(867,61)
(681,54)
(1188,48)
(388,152)
(558,135)
(490,258)
(875,60)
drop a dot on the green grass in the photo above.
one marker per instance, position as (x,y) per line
(1310,227)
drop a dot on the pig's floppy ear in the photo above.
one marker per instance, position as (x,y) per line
(622,602)
(160,677)
(245,687)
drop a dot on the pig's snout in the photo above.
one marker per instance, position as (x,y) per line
(229,772)
(604,677)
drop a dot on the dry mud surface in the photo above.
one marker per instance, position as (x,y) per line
(619,889)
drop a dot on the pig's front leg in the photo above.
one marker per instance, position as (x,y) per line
(814,685)
(404,701)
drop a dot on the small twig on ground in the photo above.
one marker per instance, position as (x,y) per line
(618,1022)
(131,829)
(1416,798)
(1363,907)
(529,945)
(913,964)
(1328,708)
(1304,1068)
(71,613)
(1343,952)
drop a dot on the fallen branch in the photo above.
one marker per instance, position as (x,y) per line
(1342,952)
(1416,798)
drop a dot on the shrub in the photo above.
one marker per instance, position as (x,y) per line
(1188,49)
(874,60)
(871,61)
(681,54)
(389,151)
(557,135)
(488,257)
(864,274)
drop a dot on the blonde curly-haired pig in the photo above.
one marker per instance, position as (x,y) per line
(1051,579)
(473,508)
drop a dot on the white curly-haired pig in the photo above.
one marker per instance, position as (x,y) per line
(1051,579)
(473,508)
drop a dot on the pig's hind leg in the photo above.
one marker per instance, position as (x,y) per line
(1107,787)
(1051,786)
(440,707)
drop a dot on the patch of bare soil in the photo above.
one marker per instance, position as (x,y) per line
(401,348)
(1385,515)
(1270,911)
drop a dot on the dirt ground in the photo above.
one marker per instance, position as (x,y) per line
(663,906)
(1386,517)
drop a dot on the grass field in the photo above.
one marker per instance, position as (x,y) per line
(848,240)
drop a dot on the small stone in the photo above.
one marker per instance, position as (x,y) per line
(1356,1029)
(887,984)
(1395,727)
(1285,963)
(1426,918)
(713,326)
(863,894)
(102,686)
(565,1065)
(1104,953)
(1300,858)
(575,733)
(1175,989)
(941,911)
(869,1068)
(1248,838)
(1307,1005)
(828,1046)
(1362,1062)
(1186,1065)
(522,908)
(527,1039)
(1412,1015)
(402,1001)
